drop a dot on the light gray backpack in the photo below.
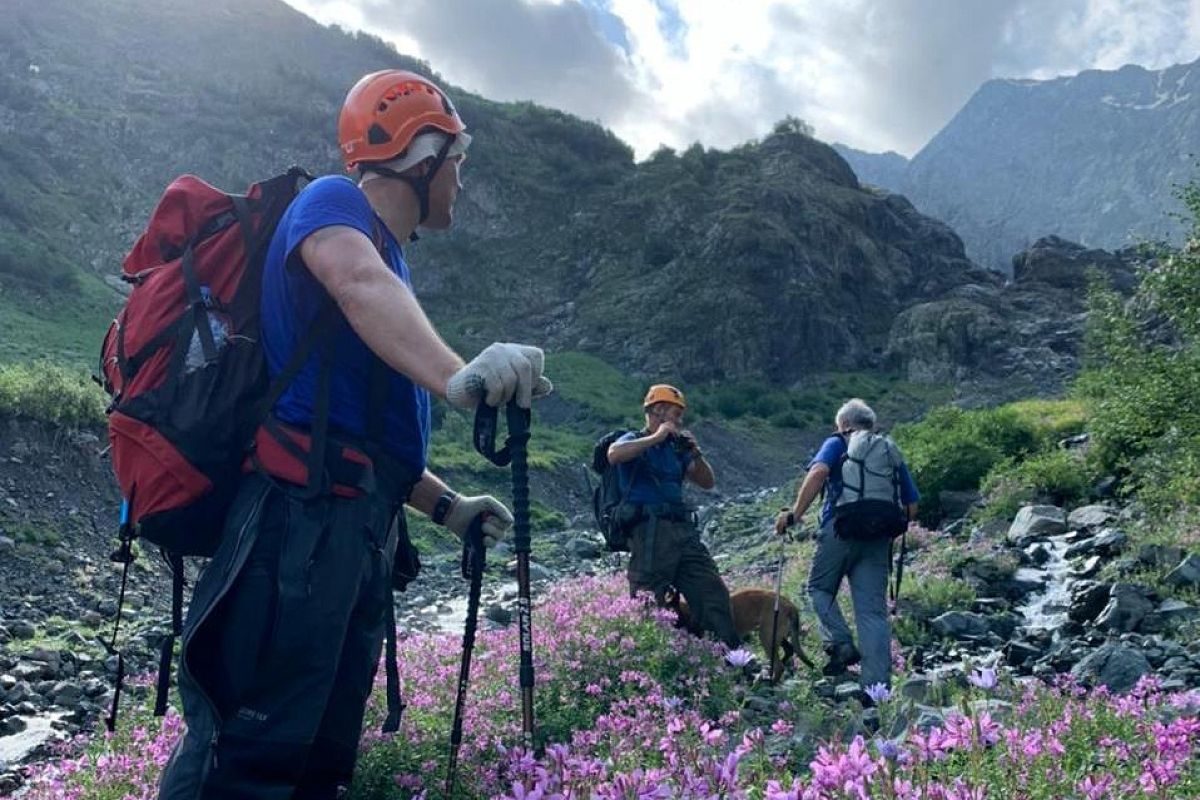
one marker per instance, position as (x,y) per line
(869,505)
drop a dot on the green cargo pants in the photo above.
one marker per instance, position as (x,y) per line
(678,558)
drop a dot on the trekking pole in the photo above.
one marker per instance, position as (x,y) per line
(473,560)
(899,571)
(775,618)
(124,556)
(516,452)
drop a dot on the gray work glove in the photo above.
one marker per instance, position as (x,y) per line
(500,373)
(497,523)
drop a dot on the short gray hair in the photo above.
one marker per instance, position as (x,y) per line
(855,414)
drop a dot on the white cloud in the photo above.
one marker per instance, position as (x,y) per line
(875,74)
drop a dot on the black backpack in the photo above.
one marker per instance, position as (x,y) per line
(607,497)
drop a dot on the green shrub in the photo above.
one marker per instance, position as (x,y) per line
(1143,374)
(953,450)
(49,392)
(1056,476)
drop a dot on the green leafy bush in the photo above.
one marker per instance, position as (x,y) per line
(49,392)
(1143,377)
(1055,476)
(951,449)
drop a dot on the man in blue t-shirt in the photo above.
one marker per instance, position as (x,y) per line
(286,624)
(664,543)
(866,563)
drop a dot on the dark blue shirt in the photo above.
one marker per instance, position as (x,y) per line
(291,300)
(832,451)
(657,474)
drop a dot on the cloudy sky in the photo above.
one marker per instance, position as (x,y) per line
(875,74)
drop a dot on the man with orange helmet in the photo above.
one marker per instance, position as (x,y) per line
(664,541)
(286,624)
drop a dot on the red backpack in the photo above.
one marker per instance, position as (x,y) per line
(184,365)
(183,361)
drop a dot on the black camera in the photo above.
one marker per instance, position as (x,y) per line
(682,444)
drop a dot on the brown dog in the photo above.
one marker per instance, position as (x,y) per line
(754,610)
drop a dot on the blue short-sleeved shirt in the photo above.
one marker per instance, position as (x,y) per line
(832,451)
(657,474)
(291,300)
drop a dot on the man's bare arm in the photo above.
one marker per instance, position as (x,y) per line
(381,309)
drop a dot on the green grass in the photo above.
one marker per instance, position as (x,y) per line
(68,330)
(33,533)
(608,394)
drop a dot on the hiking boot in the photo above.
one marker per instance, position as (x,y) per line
(841,656)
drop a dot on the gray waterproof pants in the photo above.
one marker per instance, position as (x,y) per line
(678,558)
(281,645)
(866,565)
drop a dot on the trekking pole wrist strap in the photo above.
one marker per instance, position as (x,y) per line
(442,508)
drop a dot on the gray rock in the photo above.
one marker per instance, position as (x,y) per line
(1108,542)
(1127,605)
(1088,568)
(1037,554)
(1170,610)
(916,689)
(929,718)
(6,544)
(1021,654)
(12,725)
(66,694)
(1036,522)
(847,691)
(1093,516)
(1187,574)
(30,670)
(19,693)
(1158,555)
(22,629)
(1115,665)
(1106,487)
(584,548)
(499,614)
(960,625)
(1088,599)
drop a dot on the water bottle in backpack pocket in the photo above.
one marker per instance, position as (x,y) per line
(869,505)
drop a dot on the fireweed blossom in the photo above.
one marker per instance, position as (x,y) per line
(663,720)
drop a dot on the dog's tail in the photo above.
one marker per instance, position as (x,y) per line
(800,654)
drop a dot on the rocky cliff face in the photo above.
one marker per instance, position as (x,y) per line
(1027,332)
(768,261)
(1092,158)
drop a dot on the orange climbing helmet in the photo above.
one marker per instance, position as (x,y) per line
(664,393)
(386,110)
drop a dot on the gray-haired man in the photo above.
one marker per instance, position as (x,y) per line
(850,551)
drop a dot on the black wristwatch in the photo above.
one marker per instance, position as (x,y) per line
(442,507)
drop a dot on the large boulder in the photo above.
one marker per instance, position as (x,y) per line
(1187,574)
(1115,665)
(1093,516)
(1036,522)
(1065,265)
(1108,542)
(1127,606)
(1088,599)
